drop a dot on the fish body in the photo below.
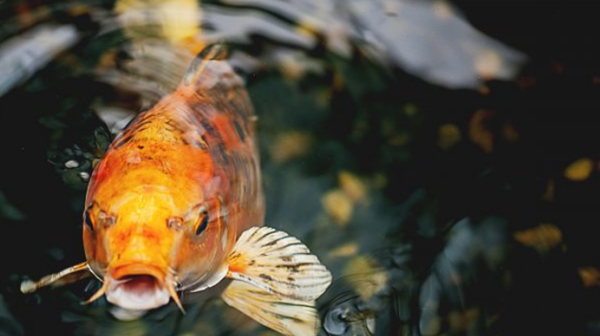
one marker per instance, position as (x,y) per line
(189,162)
(176,205)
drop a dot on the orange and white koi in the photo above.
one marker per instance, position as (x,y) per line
(176,205)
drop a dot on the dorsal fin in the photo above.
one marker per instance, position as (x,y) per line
(211,78)
(212,52)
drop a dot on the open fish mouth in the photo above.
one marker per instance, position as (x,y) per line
(137,292)
(138,287)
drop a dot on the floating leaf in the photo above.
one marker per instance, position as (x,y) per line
(290,145)
(510,133)
(368,277)
(543,237)
(346,250)
(176,20)
(352,186)
(579,170)
(449,136)
(338,206)
(590,276)
(479,131)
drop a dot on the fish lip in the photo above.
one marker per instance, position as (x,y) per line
(132,269)
(137,287)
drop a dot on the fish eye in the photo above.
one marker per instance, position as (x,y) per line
(202,221)
(87,219)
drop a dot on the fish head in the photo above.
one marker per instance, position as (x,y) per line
(148,242)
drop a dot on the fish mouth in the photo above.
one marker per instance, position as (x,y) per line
(139,287)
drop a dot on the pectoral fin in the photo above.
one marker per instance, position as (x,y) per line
(276,281)
(278,264)
(284,315)
(61,278)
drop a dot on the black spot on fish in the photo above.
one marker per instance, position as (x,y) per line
(294,268)
(239,131)
(199,145)
(141,124)
(266,277)
(123,140)
(138,124)
(273,242)
(265,235)
(174,126)
(135,119)
(141,147)
(199,141)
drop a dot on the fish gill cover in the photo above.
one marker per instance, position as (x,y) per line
(438,157)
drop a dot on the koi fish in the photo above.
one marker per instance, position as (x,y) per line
(176,206)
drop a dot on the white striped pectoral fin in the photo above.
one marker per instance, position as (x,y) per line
(281,278)
(279,264)
(286,316)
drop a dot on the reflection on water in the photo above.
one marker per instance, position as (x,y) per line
(390,144)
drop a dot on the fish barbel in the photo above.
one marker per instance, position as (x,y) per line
(176,205)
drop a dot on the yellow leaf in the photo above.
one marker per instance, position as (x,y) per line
(368,278)
(543,237)
(346,250)
(590,276)
(510,133)
(352,186)
(175,20)
(579,170)
(291,145)
(338,206)
(479,132)
(449,135)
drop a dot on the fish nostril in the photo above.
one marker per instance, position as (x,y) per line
(175,223)
(106,219)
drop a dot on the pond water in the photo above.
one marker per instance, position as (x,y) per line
(439,158)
